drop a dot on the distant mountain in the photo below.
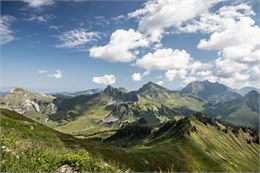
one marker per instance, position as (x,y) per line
(242,111)
(39,107)
(113,107)
(78,93)
(153,90)
(246,90)
(161,129)
(192,144)
(211,92)
(120,95)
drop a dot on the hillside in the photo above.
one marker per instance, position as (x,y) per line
(211,92)
(111,108)
(241,111)
(186,145)
(27,146)
(194,143)
(39,107)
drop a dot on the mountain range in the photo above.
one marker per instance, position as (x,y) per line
(194,129)
(211,92)
(77,93)
(152,104)
(190,144)
(246,90)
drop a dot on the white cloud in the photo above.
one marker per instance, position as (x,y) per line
(160,82)
(233,32)
(40,18)
(164,59)
(107,79)
(216,21)
(236,33)
(42,71)
(57,75)
(238,41)
(6,33)
(120,47)
(53,27)
(39,3)
(77,37)
(176,64)
(136,77)
(158,15)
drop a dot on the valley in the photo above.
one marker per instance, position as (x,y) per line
(151,129)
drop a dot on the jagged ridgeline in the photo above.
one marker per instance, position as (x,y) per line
(151,129)
(90,111)
(195,143)
(150,105)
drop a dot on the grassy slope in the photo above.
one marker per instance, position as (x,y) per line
(87,112)
(30,146)
(244,116)
(175,100)
(27,146)
(208,149)
(236,112)
(87,123)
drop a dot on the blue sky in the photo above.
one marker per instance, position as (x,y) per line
(51,45)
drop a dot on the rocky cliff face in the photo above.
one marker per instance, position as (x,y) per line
(22,101)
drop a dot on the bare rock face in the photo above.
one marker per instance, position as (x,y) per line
(22,101)
(66,169)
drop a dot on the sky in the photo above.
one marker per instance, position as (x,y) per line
(51,46)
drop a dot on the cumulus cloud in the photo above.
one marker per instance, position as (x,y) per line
(158,15)
(121,47)
(237,39)
(38,3)
(232,32)
(177,64)
(76,38)
(164,59)
(136,77)
(107,79)
(57,74)
(6,33)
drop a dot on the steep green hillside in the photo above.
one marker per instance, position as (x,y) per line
(185,144)
(190,144)
(242,111)
(27,146)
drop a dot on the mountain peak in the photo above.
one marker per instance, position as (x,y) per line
(109,89)
(252,94)
(212,92)
(151,86)
(153,90)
